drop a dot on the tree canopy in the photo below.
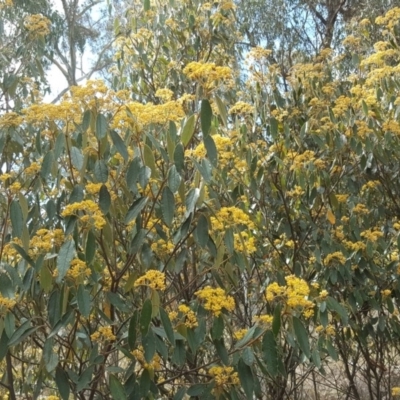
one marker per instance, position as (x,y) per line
(206,225)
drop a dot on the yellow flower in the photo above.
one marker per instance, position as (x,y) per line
(396,391)
(216,300)
(154,364)
(224,376)
(337,256)
(78,269)
(265,319)
(189,315)
(153,279)
(238,335)
(6,304)
(103,333)
(37,24)
(92,215)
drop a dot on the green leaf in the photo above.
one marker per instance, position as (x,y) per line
(188,130)
(246,378)
(86,120)
(179,157)
(47,164)
(144,384)
(179,354)
(301,336)
(101,171)
(270,353)
(132,330)
(119,145)
(104,199)
(65,256)
(276,322)
(132,174)
(62,383)
(167,206)
(84,303)
(196,390)
(201,231)
(17,219)
(145,317)
(174,179)
(221,350)
(135,209)
(333,305)
(76,158)
(117,389)
(146,5)
(24,331)
(222,110)
(166,323)
(149,160)
(180,394)
(101,126)
(50,357)
(205,116)
(217,328)
(273,127)
(84,379)
(248,356)
(90,249)
(144,176)
(191,200)
(149,345)
(3,345)
(212,152)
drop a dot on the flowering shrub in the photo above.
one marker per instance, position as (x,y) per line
(179,234)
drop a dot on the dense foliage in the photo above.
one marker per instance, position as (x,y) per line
(202,230)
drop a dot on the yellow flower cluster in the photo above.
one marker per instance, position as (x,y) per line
(162,248)
(33,169)
(6,3)
(207,73)
(329,330)
(93,188)
(216,300)
(103,333)
(153,279)
(227,154)
(264,319)
(342,104)
(78,269)
(337,256)
(396,391)
(240,334)
(190,316)
(390,19)
(228,217)
(164,94)
(299,160)
(37,24)
(294,294)
(92,214)
(241,108)
(371,235)
(224,376)
(45,240)
(6,304)
(149,113)
(243,243)
(154,364)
